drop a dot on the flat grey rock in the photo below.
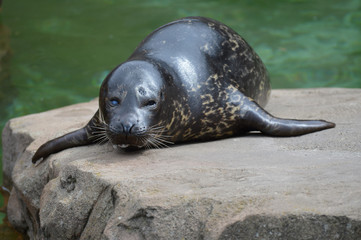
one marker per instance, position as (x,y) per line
(248,187)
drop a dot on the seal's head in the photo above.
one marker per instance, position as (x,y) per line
(130,101)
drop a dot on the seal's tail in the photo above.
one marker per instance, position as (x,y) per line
(261,120)
(291,127)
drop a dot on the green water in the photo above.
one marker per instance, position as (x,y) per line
(55,53)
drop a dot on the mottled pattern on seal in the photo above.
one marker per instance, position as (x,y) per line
(194,79)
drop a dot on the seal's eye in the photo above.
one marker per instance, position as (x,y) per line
(114,102)
(150,103)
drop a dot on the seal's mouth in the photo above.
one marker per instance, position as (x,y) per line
(122,145)
(132,142)
(153,137)
(125,141)
(127,147)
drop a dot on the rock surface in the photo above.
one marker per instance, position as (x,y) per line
(249,187)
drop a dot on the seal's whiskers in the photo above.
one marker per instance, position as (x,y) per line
(99,133)
(155,138)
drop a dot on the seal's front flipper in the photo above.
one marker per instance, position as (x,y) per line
(73,139)
(83,136)
(259,119)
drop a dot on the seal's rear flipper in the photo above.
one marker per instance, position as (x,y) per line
(290,127)
(80,137)
(259,119)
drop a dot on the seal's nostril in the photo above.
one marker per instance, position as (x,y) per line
(131,128)
(127,128)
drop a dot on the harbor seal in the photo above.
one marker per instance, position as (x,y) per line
(193,79)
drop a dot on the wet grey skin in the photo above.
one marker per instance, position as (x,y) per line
(193,79)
